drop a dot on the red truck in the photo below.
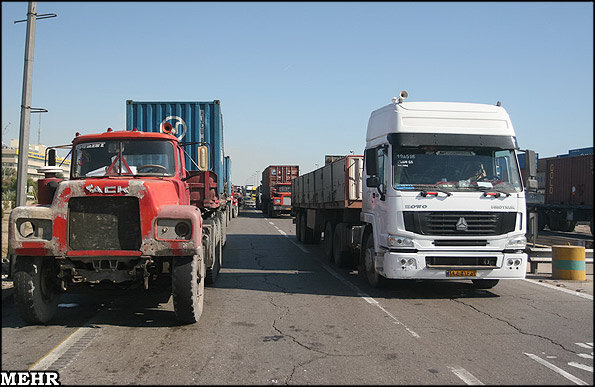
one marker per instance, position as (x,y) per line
(276,189)
(130,215)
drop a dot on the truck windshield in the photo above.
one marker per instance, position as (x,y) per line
(116,158)
(455,169)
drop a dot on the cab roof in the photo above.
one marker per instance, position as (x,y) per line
(439,117)
(123,134)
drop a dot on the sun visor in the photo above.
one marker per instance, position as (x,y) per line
(448,139)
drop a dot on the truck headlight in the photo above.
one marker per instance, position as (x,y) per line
(174,229)
(518,243)
(34,229)
(183,229)
(399,241)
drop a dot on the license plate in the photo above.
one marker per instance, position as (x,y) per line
(461,273)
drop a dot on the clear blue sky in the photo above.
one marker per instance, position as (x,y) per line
(299,80)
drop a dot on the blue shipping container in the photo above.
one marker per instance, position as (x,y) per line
(581,151)
(192,121)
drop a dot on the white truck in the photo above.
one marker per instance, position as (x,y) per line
(437,196)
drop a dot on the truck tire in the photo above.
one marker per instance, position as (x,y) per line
(213,273)
(484,283)
(298,227)
(541,221)
(306,233)
(188,287)
(374,278)
(558,223)
(341,253)
(329,231)
(36,289)
(316,235)
(222,226)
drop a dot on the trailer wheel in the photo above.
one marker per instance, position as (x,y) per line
(541,221)
(374,278)
(298,227)
(36,289)
(329,231)
(307,237)
(213,273)
(484,283)
(188,287)
(222,226)
(341,254)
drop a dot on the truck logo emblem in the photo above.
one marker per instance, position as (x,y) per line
(107,190)
(175,130)
(462,224)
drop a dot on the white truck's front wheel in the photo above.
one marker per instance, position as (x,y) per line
(374,278)
(188,287)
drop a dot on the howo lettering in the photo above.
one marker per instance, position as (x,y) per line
(133,213)
(437,195)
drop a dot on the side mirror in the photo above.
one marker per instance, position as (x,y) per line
(373,181)
(532,184)
(371,162)
(203,158)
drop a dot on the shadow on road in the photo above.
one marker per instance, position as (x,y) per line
(131,308)
(271,263)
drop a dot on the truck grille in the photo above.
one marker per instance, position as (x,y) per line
(459,223)
(104,223)
(443,262)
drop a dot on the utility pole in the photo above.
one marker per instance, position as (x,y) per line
(23,165)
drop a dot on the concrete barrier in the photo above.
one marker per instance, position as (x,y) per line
(568,262)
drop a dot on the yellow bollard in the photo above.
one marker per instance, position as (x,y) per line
(568,262)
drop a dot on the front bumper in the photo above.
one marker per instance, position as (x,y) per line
(390,265)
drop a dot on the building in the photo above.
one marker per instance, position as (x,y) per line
(10,159)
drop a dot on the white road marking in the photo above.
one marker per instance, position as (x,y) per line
(583,295)
(82,335)
(581,366)
(585,355)
(466,377)
(584,345)
(272,223)
(363,295)
(368,299)
(558,370)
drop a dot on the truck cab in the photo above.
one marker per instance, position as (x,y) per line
(280,200)
(123,219)
(443,196)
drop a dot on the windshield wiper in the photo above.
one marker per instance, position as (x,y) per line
(434,192)
(494,191)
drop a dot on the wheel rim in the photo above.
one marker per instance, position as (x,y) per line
(46,282)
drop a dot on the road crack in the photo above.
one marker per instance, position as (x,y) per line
(513,326)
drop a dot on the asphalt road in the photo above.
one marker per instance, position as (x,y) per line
(280,314)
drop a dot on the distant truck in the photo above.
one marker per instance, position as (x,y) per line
(276,189)
(132,214)
(437,195)
(566,196)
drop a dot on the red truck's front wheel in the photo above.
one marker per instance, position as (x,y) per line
(36,289)
(188,287)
